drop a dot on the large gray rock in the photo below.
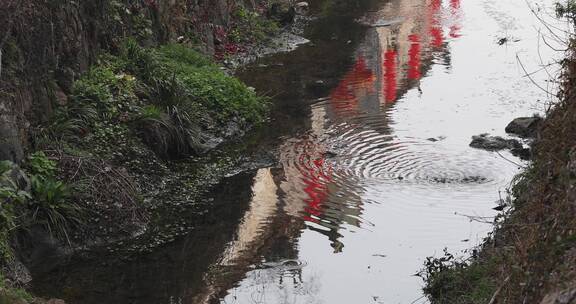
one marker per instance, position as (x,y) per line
(523,126)
(494,143)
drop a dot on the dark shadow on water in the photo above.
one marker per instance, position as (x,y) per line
(173,271)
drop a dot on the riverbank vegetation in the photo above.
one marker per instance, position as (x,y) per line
(530,255)
(103,151)
(110,125)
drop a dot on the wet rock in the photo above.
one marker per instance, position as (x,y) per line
(523,126)
(458,180)
(435,139)
(282,12)
(522,153)
(494,143)
(473,179)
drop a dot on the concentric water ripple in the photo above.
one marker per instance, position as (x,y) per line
(330,169)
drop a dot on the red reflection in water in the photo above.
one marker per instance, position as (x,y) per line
(344,97)
(455,4)
(436,29)
(357,82)
(397,67)
(316,175)
(414,55)
(454,11)
(390,73)
(316,189)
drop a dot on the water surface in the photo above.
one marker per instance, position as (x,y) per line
(371,125)
(383,176)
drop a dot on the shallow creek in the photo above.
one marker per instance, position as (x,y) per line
(371,124)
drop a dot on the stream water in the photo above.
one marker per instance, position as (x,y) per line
(371,124)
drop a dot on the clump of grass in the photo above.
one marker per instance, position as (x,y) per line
(170,133)
(452,280)
(51,206)
(50,203)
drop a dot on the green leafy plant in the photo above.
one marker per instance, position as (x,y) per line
(51,206)
(41,165)
(50,201)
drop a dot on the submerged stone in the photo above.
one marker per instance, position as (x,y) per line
(494,143)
